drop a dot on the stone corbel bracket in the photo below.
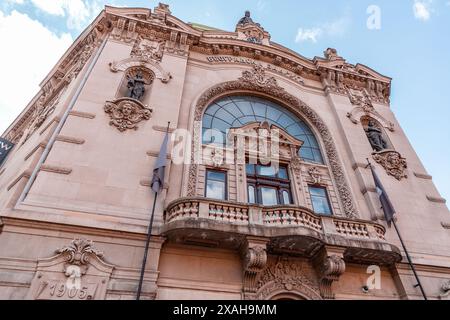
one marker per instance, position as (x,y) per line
(154,66)
(254,255)
(330,265)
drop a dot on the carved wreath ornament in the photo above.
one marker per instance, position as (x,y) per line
(126,113)
(394,164)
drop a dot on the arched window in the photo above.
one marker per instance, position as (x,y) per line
(237,111)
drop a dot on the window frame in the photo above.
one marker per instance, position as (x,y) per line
(225,173)
(327,197)
(258,182)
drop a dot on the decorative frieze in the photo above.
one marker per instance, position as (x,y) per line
(394,164)
(127,113)
(248,61)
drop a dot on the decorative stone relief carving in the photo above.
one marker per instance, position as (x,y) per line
(315,175)
(330,266)
(394,164)
(286,275)
(255,259)
(42,110)
(80,61)
(147,49)
(76,272)
(126,113)
(217,157)
(362,100)
(445,291)
(258,82)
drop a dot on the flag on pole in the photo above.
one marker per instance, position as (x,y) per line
(5,148)
(160,166)
(388,208)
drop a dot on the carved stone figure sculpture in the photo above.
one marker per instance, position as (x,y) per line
(376,137)
(246,19)
(136,87)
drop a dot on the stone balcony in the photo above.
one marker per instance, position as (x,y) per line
(288,229)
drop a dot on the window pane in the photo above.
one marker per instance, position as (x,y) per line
(251,194)
(216,185)
(216,175)
(267,171)
(240,110)
(320,201)
(286,197)
(215,190)
(282,174)
(269,196)
(250,169)
(317,192)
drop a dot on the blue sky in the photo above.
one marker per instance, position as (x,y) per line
(411,46)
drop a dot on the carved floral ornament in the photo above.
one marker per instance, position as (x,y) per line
(394,164)
(76,272)
(126,113)
(79,252)
(256,81)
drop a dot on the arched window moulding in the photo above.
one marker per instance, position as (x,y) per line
(255,81)
(155,67)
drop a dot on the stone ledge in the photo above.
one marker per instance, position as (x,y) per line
(436,199)
(67,139)
(423,176)
(56,169)
(81,114)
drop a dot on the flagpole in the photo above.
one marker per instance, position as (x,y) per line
(419,284)
(147,243)
(408,257)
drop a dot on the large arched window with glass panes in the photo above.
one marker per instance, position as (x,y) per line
(237,111)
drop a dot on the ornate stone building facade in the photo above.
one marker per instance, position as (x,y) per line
(77,180)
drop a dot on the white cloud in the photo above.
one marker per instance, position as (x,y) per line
(422,9)
(335,28)
(36,51)
(308,34)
